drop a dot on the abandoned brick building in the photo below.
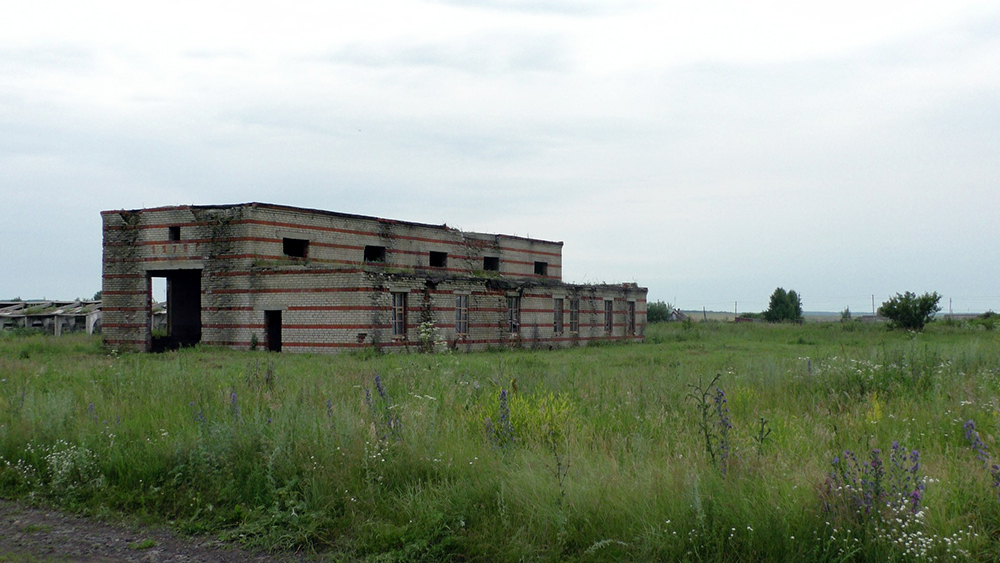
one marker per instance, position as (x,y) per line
(302,280)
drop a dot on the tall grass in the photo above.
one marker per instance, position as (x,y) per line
(587,454)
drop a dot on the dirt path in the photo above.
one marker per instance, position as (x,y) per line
(41,535)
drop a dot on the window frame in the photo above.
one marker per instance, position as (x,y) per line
(609,316)
(398,318)
(514,314)
(461,314)
(541,268)
(574,316)
(557,315)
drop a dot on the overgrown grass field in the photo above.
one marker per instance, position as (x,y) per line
(718,442)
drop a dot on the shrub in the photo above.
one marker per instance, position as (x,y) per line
(987,320)
(910,312)
(658,311)
(784,307)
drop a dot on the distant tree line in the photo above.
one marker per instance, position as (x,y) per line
(907,311)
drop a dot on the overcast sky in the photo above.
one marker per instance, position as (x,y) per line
(710,151)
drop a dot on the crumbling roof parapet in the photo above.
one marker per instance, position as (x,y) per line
(278,207)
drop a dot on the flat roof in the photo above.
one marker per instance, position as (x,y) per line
(255,204)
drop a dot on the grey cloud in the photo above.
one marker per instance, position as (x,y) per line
(49,58)
(494,54)
(564,7)
(216,55)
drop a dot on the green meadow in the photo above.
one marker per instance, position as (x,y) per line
(710,442)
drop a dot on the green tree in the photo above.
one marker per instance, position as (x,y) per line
(658,311)
(784,307)
(910,312)
(97,296)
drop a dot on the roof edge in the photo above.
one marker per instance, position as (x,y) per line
(280,207)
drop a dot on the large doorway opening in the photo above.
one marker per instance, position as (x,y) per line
(272,331)
(183,310)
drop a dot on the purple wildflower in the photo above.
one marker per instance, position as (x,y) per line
(722,414)
(197,414)
(976,442)
(865,489)
(501,434)
(383,416)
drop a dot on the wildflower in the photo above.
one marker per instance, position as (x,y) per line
(384,420)
(501,434)
(724,424)
(975,442)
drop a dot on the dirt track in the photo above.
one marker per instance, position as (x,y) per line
(33,534)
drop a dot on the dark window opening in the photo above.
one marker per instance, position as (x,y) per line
(491,264)
(272,331)
(557,316)
(439,259)
(295,247)
(173,234)
(374,254)
(541,268)
(609,316)
(574,315)
(630,327)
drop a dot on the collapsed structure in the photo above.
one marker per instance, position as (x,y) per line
(53,317)
(303,280)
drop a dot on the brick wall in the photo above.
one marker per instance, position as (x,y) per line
(311,266)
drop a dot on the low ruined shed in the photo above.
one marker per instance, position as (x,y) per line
(292,279)
(53,317)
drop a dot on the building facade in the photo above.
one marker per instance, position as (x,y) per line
(301,280)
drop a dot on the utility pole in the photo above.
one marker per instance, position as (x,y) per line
(873,304)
